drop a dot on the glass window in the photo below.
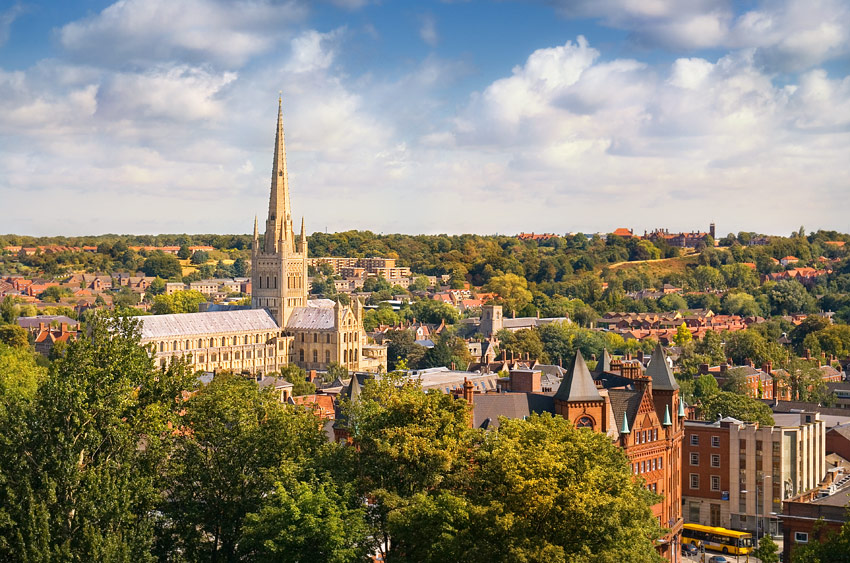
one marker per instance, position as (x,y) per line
(715,483)
(801,537)
(715,460)
(695,439)
(715,441)
(694,481)
(693,512)
(694,458)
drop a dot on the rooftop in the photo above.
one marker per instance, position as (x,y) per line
(217,322)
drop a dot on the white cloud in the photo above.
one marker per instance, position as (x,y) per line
(7,18)
(787,34)
(428,30)
(312,51)
(142,31)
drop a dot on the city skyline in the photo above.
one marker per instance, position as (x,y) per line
(152,117)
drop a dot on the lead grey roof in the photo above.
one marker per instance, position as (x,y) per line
(578,385)
(659,371)
(625,401)
(510,405)
(319,314)
(185,324)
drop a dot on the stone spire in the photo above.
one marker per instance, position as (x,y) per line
(279,223)
(256,229)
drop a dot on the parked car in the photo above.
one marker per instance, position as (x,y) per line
(718,559)
(690,549)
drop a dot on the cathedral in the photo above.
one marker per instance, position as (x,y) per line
(318,332)
(283,326)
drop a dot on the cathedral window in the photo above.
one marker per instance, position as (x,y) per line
(584,422)
(345,356)
(328,338)
(275,282)
(315,337)
(301,354)
(327,356)
(315,356)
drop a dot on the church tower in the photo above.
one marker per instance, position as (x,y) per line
(278,258)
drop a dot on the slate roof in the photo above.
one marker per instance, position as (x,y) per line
(33,322)
(625,401)
(604,363)
(185,324)
(578,385)
(659,371)
(510,405)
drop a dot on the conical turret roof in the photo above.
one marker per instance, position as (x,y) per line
(578,384)
(604,363)
(660,372)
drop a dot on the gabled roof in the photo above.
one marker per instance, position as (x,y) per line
(659,371)
(578,385)
(185,324)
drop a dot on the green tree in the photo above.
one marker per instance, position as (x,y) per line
(226,466)
(241,267)
(298,378)
(736,381)
(55,294)
(14,336)
(810,325)
(200,257)
(825,546)
(75,485)
(184,253)
(537,490)
(402,346)
(767,550)
(178,302)
(705,386)
(162,265)
(672,302)
(742,407)
(20,375)
(790,296)
(512,291)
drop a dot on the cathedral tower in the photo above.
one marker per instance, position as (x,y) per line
(278,259)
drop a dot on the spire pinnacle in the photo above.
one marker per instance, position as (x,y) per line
(279,223)
(256,229)
(624,429)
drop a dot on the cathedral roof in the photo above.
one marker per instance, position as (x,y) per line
(218,322)
(319,314)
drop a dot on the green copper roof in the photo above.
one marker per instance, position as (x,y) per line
(625,428)
(667,421)
(681,408)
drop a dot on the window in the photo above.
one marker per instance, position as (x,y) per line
(801,537)
(715,441)
(715,460)
(315,356)
(693,512)
(660,462)
(643,467)
(695,439)
(315,337)
(654,462)
(694,458)
(715,483)
(694,481)
(327,356)
(584,422)
(328,338)
(301,354)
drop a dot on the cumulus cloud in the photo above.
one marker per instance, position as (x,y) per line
(787,35)
(144,31)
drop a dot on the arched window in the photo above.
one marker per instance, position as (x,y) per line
(345,356)
(584,422)
(327,356)
(301,355)
(315,356)
(328,338)
(315,337)
(355,354)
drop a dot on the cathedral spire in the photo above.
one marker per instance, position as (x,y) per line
(279,223)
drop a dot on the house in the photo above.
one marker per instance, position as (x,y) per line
(809,516)
(46,337)
(788,260)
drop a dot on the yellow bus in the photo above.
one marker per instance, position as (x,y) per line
(718,539)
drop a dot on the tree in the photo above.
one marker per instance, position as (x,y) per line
(810,325)
(178,302)
(742,407)
(438,356)
(683,335)
(790,296)
(241,267)
(536,490)
(736,381)
(434,312)
(512,291)
(825,547)
(163,265)
(402,346)
(55,293)
(14,336)
(184,253)
(20,375)
(336,370)
(705,386)
(298,378)
(225,468)
(200,257)
(742,304)
(75,485)
(672,302)
(767,550)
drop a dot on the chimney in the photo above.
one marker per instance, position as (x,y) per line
(468,390)
(311,376)
(703,369)
(808,354)
(723,368)
(41,327)
(639,356)
(729,362)
(63,328)
(504,355)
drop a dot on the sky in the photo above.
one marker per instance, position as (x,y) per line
(158,116)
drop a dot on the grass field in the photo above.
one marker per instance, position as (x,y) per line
(658,267)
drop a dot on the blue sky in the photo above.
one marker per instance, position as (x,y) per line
(148,116)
